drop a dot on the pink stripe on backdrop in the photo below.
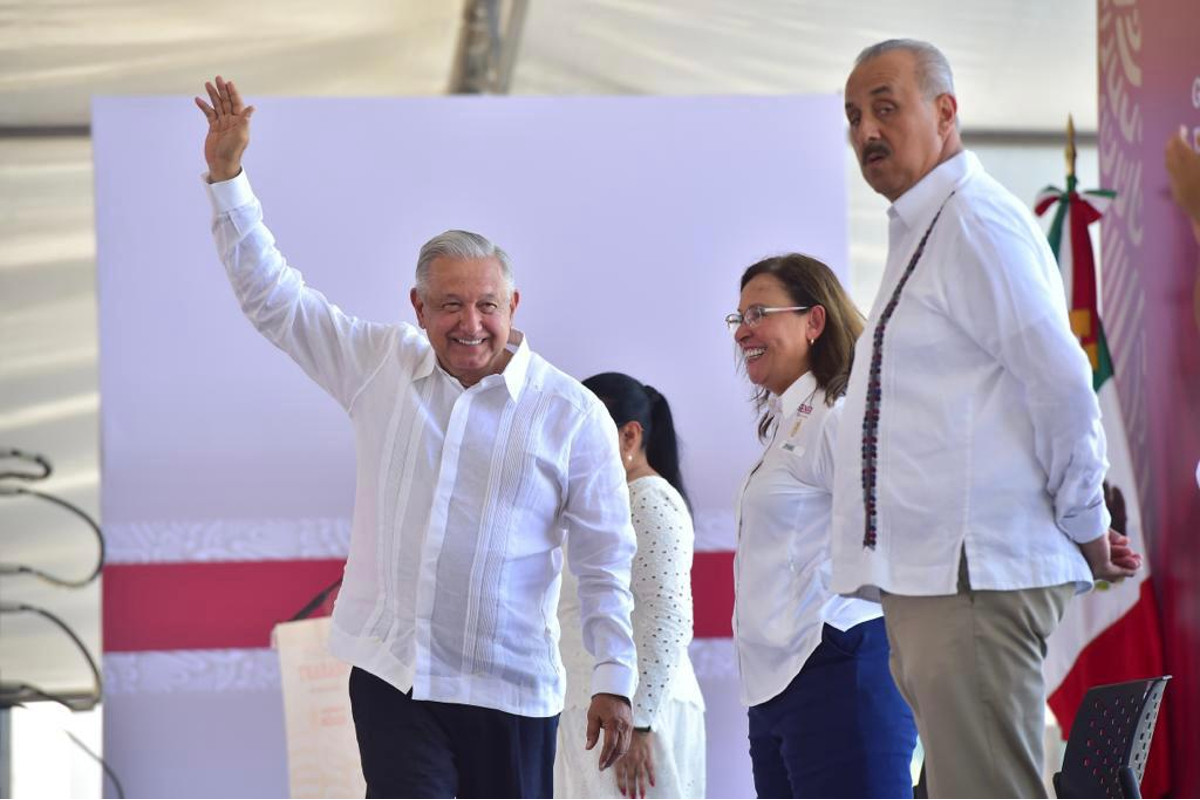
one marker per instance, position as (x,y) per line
(235,604)
(206,605)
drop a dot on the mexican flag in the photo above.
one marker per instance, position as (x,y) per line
(1111,634)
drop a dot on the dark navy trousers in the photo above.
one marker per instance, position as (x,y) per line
(840,728)
(419,748)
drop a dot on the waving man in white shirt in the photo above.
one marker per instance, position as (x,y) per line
(970,456)
(475,459)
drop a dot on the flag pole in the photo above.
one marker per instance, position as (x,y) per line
(1070,146)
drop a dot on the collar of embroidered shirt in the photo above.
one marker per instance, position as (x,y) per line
(513,373)
(917,206)
(803,390)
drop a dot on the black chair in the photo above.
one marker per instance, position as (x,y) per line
(1110,739)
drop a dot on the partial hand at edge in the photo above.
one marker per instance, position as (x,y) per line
(1183,169)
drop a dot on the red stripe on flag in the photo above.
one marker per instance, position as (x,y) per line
(1083,277)
(1044,202)
(208,605)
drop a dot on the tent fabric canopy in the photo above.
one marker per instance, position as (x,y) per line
(57,54)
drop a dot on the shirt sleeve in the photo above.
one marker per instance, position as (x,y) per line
(1004,290)
(662,591)
(826,447)
(600,553)
(337,351)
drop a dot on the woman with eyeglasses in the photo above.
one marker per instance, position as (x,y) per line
(826,719)
(666,757)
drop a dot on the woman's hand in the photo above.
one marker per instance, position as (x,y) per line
(635,770)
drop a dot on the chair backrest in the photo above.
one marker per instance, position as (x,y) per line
(1110,739)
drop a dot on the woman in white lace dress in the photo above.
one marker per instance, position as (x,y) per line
(666,756)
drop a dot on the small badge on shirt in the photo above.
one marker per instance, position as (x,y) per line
(802,414)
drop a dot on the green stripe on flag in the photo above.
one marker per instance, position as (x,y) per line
(1056,229)
(1104,366)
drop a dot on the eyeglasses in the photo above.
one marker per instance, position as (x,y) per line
(755,314)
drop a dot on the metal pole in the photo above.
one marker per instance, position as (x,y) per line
(472,61)
(485,57)
(510,45)
(6,751)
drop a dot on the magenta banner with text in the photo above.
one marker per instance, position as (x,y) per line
(1149,90)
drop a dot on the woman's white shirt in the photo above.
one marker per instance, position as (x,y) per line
(782,565)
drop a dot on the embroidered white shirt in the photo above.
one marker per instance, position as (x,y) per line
(782,568)
(463,500)
(989,434)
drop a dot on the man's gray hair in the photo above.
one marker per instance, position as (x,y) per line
(933,70)
(460,245)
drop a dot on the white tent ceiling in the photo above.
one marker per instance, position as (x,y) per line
(1018,63)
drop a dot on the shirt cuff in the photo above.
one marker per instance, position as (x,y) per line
(615,679)
(1088,524)
(228,195)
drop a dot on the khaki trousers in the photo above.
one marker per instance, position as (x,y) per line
(970,666)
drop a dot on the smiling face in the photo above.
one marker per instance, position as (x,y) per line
(898,134)
(467,311)
(776,350)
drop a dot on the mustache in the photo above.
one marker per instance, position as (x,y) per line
(874,148)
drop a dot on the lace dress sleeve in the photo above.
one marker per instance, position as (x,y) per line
(662,590)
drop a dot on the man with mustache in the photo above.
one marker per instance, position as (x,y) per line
(476,459)
(968,490)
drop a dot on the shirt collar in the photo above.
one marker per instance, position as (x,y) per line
(425,368)
(518,366)
(513,373)
(800,391)
(921,201)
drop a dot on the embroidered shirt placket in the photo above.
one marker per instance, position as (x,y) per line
(870,435)
(438,515)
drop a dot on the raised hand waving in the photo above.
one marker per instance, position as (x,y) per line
(228,129)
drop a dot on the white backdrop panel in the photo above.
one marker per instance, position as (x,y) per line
(629,221)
